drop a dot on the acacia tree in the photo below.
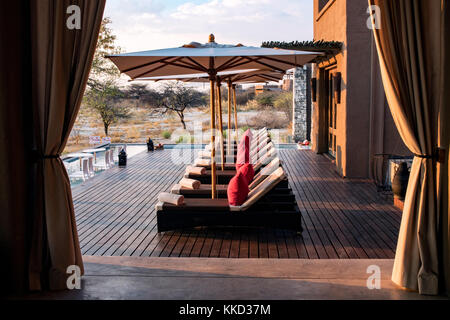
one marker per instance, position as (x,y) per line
(142,94)
(106,99)
(102,67)
(177,97)
(103,94)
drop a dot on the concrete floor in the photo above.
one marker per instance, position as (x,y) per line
(230,279)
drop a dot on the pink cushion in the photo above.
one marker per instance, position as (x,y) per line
(248,171)
(237,190)
(249,134)
(243,153)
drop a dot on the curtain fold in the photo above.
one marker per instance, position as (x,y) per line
(412,50)
(61,59)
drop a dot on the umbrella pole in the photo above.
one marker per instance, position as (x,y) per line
(213,138)
(235,113)
(229,121)
(219,105)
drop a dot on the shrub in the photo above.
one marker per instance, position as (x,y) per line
(166,134)
(265,99)
(244,128)
(268,119)
(284,103)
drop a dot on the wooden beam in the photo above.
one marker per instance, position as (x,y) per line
(229,149)
(235,114)
(219,106)
(213,138)
(212,78)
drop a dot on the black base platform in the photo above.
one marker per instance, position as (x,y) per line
(269,212)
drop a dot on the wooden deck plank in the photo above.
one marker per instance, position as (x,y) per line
(342,218)
(325,197)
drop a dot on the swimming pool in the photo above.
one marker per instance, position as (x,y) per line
(73,164)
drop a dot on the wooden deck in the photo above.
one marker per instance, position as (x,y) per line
(342,219)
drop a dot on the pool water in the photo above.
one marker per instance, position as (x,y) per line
(74,165)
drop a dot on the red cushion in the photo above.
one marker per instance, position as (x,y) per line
(248,171)
(243,153)
(237,190)
(249,134)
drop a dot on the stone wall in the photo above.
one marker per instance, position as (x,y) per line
(301,125)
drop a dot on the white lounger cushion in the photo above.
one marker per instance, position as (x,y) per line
(259,145)
(259,154)
(202,162)
(190,183)
(265,159)
(195,170)
(186,183)
(265,172)
(260,191)
(171,198)
(204,154)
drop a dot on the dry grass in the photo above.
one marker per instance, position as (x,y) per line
(268,119)
(133,133)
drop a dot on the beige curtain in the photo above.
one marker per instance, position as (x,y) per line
(412,43)
(60,59)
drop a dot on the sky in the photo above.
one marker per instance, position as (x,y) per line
(154,24)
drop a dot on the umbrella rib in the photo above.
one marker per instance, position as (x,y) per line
(256,60)
(145,65)
(196,63)
(226,64)
(164,63)
(284,62)
(184,65)
(268,77)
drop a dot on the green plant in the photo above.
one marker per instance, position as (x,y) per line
(244,128)
(284,103)
(166,134)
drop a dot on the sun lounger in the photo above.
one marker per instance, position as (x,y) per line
(204,190)
(259,210)
(257,154)
(223,177)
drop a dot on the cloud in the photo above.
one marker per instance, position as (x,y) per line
(151,24)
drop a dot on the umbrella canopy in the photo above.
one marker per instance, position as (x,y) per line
(208,58)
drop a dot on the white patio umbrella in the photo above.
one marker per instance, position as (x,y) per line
(209,58)
(231,78)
